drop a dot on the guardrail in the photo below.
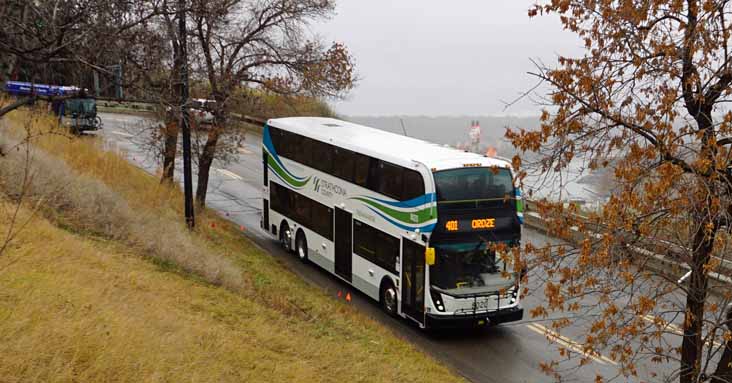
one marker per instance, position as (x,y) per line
(142,106)
(111,105)
(656,254)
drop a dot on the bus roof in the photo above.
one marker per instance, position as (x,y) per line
(395,148)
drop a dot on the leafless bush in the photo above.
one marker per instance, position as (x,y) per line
(86,205)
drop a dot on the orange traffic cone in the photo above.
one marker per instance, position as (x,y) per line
(348,297)
(241,227)
(340,294)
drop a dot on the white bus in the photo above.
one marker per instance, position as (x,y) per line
(407,222)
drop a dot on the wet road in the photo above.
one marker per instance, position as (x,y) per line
(506,353)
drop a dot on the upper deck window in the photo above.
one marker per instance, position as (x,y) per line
(380,176)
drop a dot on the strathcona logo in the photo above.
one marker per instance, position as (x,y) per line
(327,188)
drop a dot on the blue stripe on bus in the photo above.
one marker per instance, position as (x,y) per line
(414,202)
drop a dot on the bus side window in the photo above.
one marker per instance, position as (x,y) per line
(375,246)
(374,174)
(286,145)
(321,156)
(303,210)
(390,179)
(361,169)
(413,185)
(302,149)
(343,161)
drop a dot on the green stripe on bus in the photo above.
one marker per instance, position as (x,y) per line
(403,216)
(283,174)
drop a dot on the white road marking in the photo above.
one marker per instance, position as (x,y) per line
(569,344)
(670,326)
(229,174)
(122,133)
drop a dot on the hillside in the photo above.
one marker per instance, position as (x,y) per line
(104,283)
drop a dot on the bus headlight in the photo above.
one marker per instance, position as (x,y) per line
(510,294)
(437,300)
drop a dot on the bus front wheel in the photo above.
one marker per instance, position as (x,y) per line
(301,246)
(389,298)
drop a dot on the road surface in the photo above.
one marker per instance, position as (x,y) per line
(506,353)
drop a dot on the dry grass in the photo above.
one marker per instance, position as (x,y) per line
(72,309)
(89,203)
(80,302)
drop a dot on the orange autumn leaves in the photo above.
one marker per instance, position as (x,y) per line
(645,104)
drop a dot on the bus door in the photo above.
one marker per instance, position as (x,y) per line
(413,280)
(343,243)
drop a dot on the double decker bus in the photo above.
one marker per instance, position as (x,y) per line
(412,224)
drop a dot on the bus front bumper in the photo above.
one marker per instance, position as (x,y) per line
(512,314)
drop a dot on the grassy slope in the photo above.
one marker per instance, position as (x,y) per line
(75,307)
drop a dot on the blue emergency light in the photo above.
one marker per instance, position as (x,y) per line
(19,88)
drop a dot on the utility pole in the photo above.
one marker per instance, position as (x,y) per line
(184,119)
(118,81)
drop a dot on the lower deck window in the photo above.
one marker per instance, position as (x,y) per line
(375,246)
(308,212)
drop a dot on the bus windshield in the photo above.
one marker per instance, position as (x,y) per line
(468,268)
(473,184)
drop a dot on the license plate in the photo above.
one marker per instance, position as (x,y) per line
(481,305)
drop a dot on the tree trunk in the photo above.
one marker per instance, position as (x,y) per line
(691,346)
(170,150)
(723,374)
(204,165)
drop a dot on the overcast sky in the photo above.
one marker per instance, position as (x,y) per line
(437,57)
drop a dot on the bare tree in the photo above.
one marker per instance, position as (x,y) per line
(50,40)
(263,44)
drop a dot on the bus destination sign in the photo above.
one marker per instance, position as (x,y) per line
(475,224)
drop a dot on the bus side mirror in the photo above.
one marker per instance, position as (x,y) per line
(429,256)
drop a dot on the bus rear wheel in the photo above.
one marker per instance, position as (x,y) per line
(389,299)
(301,246)
(285,236)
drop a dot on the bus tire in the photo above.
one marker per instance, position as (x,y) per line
(285,236)
(301,246)
(389,298)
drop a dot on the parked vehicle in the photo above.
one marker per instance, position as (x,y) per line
(202,110)
(71,102)
(82,115)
